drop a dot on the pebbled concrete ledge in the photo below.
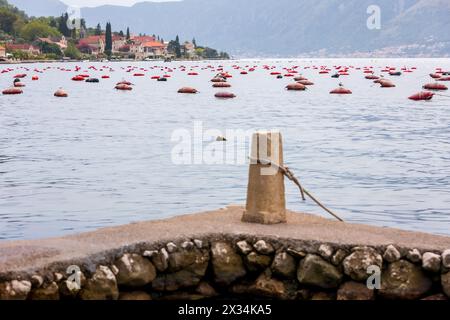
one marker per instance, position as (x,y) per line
(22,258)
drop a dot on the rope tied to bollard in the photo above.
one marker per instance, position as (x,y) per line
(290,175)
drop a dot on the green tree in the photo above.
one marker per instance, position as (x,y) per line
(75,33)
(9,8)
(20,55)
(50,49)
(38,29)
(53,23)
(72,52)
(82,33)
(11,20)
(98,30)
(177,47)
(108,39)
(224,56)
(199,51)
(210,53)
(194,42)
(62,25)
(7,20)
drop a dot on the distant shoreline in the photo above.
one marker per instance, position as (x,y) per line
(108,61)
(235,59)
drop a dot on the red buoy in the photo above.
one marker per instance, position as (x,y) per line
(60,93)
(435,86)
(221,85)
(341,90)
(138,75)
(78,78)
(35,78)
(386,84)
(225,95)
(306,82)
(123,87)
(19,84)
(188,90)
(424,95)
(124,82)
(105,77)
(296,87)
(12,91)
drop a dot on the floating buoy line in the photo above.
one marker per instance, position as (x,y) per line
(379,75)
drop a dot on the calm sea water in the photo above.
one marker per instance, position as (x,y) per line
(102,158)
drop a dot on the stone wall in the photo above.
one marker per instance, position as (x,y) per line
(230,266)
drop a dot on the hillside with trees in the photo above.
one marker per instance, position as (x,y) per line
(53,38)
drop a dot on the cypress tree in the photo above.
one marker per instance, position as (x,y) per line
(128,34)
(177,47)
(108,39)
(83,28)
(74,33)
(68,32)
(98,30)
(62,25)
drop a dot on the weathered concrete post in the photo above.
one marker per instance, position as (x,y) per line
(266,203)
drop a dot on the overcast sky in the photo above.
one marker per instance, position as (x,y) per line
(95,3)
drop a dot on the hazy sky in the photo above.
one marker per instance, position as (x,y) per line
(94,3)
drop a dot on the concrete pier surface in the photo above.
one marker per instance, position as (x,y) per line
(26,256)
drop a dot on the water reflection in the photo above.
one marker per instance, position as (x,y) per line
(102,158)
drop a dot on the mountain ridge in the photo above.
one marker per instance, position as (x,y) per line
(289,28)
(38,8)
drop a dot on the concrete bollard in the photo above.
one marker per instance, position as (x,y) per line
(266,203)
